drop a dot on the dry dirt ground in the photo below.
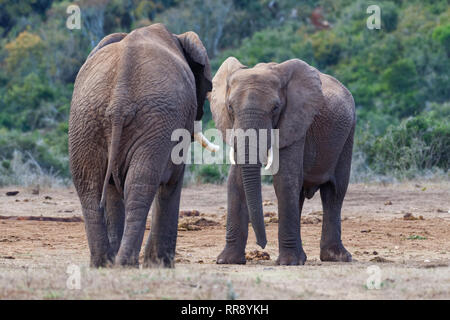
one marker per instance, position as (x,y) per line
(399,236)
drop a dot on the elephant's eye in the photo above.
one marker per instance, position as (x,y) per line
(230,109)
(276,108)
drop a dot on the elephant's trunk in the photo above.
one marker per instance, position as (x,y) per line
(251,178)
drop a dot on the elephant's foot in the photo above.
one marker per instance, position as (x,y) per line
(131,261)
(155,262)
(231,255)
(103,260)
(335,252)
(115,246)
(289,257)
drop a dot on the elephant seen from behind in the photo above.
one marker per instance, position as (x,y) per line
(132,92)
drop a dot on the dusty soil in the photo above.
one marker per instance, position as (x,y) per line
(402,229)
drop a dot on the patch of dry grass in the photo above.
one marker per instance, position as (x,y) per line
(254,281)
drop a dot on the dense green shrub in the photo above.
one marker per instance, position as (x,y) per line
(47,153)
(442,35)
(400,76)
(389,16)
(270,45)
(209,174)
(415,145)
(327,48)
(25,104)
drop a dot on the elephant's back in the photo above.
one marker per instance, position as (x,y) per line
(144,78)
(153,65)
(95,80)
(329,131)
(145,69)
(336,116)
(338,98)
(92,89)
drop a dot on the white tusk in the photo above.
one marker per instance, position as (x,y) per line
(232,155)
(205,143)
(269,159)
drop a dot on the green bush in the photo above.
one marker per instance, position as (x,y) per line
(416,145)
(206,173)
(209,174)
(48,155)
(442,35)
(275,45)
(25,104)
(327,47)
(389,16)
(400,76)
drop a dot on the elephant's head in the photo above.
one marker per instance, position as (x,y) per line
(283,96)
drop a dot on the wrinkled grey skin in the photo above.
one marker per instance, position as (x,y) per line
(315,115)
(133,91)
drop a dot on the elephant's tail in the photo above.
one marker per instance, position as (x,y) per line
(112,155)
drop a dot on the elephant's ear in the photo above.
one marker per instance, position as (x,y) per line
(218,97)
(197,58)
(304,97)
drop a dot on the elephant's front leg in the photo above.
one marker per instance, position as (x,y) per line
(237,221)
(288,186)
(161,244)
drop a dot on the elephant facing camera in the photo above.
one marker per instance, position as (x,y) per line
(315,118)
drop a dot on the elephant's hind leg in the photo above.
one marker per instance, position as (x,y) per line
(161,244)
(141,185)
(332,195)
(331,247)
(101,254)
(87,181)
(115,217)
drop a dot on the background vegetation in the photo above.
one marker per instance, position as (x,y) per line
(399,75)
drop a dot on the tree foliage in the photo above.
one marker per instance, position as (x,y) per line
(398,75)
